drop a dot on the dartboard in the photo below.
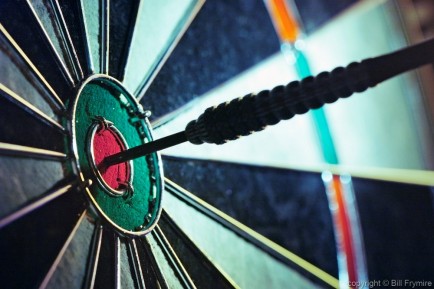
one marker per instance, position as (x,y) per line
(81,80)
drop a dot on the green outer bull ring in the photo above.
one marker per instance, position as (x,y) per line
(137,209)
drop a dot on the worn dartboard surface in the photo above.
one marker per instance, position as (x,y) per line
(77,79)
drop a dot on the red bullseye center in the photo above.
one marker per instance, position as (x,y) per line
(107,142)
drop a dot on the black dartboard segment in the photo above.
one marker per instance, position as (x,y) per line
(292,209)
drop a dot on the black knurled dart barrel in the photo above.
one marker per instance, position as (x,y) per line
(253,112)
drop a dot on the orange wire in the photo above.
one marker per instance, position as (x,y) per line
(284,21)
(345,231)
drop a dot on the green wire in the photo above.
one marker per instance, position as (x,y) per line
(319,117)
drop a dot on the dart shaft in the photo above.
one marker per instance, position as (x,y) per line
(146,149)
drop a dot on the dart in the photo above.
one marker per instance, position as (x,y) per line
(253,112)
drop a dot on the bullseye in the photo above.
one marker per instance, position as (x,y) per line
(107,141)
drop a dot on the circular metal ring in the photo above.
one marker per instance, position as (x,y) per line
(91,157)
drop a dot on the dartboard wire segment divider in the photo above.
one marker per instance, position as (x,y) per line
(71,80)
